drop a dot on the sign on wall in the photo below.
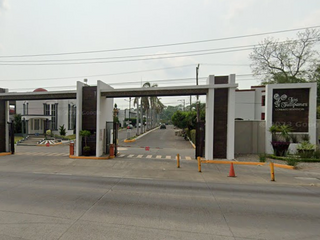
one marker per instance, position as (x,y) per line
(291,107)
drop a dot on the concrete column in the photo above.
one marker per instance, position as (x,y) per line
(231,117)
(78,149)
(209,119)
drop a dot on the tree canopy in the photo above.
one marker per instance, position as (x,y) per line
(290,61)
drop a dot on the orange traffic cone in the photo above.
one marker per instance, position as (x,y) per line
(231,173)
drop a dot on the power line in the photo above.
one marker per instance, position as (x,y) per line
(135,57)
(126,60)
(191,79)
(157,46)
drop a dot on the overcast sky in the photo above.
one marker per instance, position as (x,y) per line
(86,29)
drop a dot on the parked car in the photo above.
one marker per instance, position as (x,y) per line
(163,126)
(130,126)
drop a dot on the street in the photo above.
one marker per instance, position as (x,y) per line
(47,195)
(60,206)
(160,142)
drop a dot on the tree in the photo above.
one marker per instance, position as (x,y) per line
(289,61)
(17,123)
(150,102)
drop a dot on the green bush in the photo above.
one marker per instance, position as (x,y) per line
(62,130)
(292,161)
(262,157)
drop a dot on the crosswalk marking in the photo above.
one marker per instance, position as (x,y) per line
(52,154)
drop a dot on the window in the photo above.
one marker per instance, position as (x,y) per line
(36,124)
(54,116)
(25,108)
(263,100)
(262,116)
(46,109)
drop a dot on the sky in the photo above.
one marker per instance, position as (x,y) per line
(55,43)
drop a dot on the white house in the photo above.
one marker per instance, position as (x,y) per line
(250,103)
(40,115)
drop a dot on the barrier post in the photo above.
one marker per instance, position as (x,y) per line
(272,171)
(199,164)
(71,150)
(178,160)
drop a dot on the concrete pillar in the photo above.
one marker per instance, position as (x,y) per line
(209,138)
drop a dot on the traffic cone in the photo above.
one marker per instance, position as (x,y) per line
(231,173)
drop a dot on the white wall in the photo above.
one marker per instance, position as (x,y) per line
(245,105)
(104,114)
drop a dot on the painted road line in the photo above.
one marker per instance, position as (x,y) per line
(130,156)
(149,156)
(168,157)
(121,155)
(188,158)
(158,156)
(139,156)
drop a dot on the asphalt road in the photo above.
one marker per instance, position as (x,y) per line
(53,206)
(161,142)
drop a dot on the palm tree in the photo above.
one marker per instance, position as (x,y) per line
(150,102)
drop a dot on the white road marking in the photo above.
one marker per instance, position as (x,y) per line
(139,156)
(149,156)
(168,157)
(188,158)
(158,156)
(130,156)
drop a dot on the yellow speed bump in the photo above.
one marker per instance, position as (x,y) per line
(126,140)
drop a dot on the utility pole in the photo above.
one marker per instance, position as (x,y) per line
(198,107)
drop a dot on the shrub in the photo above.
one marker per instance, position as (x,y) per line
(316,153)
(292,161)
(262,157)
(62,130)
(306,149)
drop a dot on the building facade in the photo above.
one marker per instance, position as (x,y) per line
(37,116)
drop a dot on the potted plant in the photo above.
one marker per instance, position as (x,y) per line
(280,139)
(305,149)
(86,149)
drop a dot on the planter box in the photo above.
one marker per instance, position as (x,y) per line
(280,148)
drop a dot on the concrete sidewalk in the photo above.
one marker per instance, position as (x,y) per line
(160,169)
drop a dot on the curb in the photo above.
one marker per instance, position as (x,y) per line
(141,135)
(5,153)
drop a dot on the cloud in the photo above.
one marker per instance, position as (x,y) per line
(4,4)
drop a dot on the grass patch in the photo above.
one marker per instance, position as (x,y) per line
(296,159)
(17,139)
(262,157)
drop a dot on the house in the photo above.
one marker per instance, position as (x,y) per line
(40,115)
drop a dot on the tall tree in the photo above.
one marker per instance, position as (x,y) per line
(150,103)
(289,61)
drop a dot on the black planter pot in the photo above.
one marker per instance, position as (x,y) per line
(280,148)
